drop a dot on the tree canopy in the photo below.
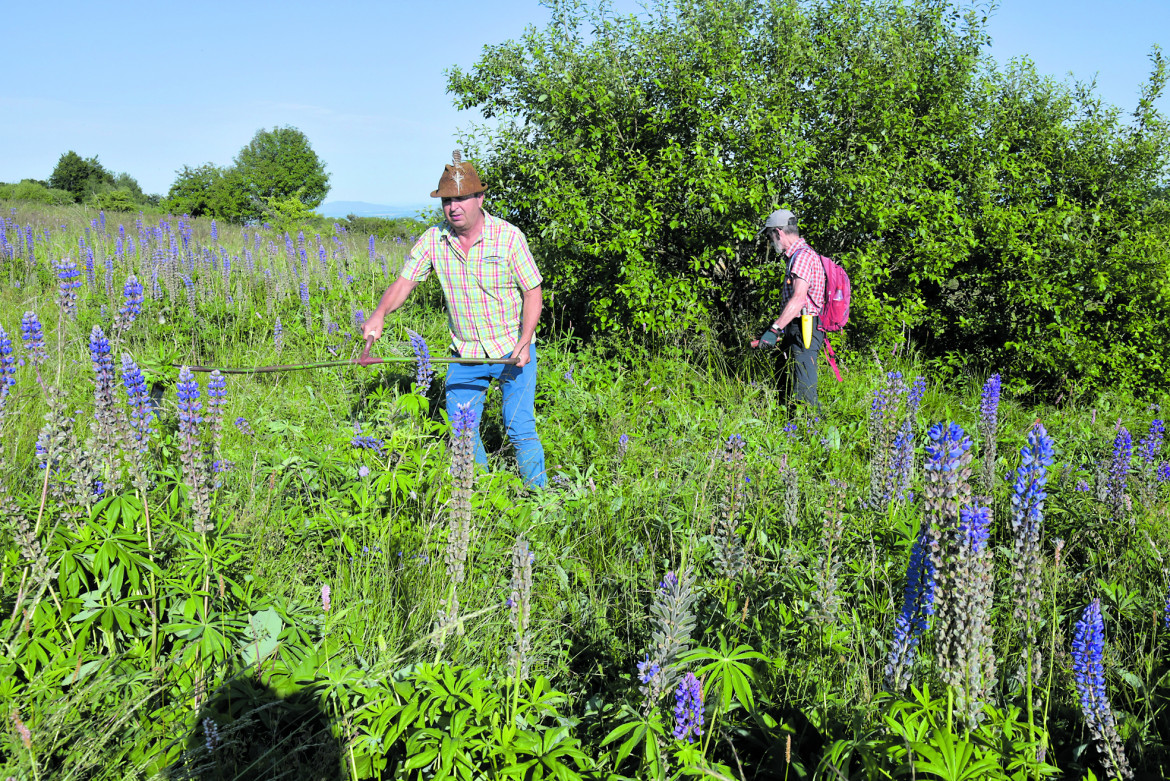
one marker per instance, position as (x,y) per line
(280,164)
(275,166)
(79,176)
(1001,218)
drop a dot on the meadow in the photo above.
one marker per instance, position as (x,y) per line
(301,575)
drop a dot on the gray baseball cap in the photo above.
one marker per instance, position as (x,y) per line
(779,219)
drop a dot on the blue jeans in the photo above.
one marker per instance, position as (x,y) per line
(468,384)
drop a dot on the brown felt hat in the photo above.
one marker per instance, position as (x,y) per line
(459,179)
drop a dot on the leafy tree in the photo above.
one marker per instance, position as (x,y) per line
(641,155)
(125,181)
(280,164)
(207,191)
(79,176)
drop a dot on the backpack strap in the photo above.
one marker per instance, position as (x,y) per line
(831,357)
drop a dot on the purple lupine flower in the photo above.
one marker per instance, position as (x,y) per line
(191,450)
(947,445)
(464,420)
(132,303)
(688,709)
(99,352)
(1119,467)
(7,365)
(216,401)
(1163,473)
(623,445)
(1088,651)
(648,670)
(425,372)
(368,443)
(672,622)
(989,430)
(917,391)
(189,405)
(1028,497)
(278,336)
(210,735)
(67,285)
(89,269)
(1082,486)
(372,248)
(883,430)
(963,571)
(244,426)
(105,406)
(1150,446)
(917,607)
(138,399)
(975,526)
(989,402)
(359,318)
(214,231)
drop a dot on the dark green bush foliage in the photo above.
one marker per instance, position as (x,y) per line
(1003,219)
(32,191)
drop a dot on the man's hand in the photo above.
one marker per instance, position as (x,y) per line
(372,329)
(767,339)
(521,354)
(373,326)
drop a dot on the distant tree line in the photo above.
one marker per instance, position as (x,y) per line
(276,176)
(1000,219)
(77,179)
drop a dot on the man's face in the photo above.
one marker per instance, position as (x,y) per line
(779,240)
(463,212)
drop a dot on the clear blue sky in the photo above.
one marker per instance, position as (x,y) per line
(150,87)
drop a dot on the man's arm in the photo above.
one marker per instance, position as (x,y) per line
(792,308)
(794,305)
(530,316)
(393,298)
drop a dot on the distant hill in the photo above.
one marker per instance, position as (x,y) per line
(363,209)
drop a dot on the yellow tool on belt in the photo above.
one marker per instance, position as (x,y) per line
(806,329)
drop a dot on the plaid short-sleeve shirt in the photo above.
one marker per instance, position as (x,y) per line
(483,288)
(806,264)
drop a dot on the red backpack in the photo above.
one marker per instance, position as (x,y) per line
(835,309)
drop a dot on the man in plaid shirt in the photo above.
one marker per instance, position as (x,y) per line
(492,288)
(803,293)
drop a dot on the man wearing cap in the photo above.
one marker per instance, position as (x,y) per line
(492,288)
(803,292)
